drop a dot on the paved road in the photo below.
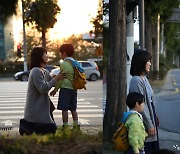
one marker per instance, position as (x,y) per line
(13,96)
(168,105)
(168,108)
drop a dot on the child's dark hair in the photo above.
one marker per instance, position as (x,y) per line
(134,97)
(68,49)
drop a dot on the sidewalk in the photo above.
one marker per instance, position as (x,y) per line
(6,79)
(167,140)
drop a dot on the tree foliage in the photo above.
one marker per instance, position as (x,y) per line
(83,49)
(161,7)
(98,21)
(7,8)
(164,8)
(42,13)
(172,43)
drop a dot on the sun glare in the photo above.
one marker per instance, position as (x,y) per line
(74,18)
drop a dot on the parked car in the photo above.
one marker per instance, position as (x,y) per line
(24,75)
(91,70)
(55,72)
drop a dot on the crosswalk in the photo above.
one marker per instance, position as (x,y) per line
(13,98)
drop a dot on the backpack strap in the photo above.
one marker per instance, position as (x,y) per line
(130,115)
(69,61)
(126,119)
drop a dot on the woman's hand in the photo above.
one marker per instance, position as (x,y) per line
(152,131)
(60,76)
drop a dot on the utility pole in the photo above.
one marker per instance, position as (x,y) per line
(130,45)
(157,46)
(162,40)
(24,39)
(141,25)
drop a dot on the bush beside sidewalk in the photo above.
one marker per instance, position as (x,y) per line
(65,143)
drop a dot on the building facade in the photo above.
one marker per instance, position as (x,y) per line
(6,38)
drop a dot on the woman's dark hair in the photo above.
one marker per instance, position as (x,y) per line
(68,49)
(139,60)
(132,98)
(36,56)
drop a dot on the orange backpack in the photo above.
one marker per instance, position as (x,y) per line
(120,137)
(79,80)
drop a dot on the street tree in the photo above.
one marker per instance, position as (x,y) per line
(116,68)
(42,13)
(153,9)
(7,8)
(98,21)
(172,41)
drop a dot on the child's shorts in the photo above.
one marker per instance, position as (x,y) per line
(67,99)
(130,151)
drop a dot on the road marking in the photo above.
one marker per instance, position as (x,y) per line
(22,107)
(174,82)
(56,111)
(12,97)
(176,91)
(25,92)
(8,122)
(83,121)
(23,103)
(93,92)
(55,116)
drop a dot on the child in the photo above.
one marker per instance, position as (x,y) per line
(67,95)
(134,125)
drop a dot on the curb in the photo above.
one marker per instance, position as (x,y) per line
(13,132)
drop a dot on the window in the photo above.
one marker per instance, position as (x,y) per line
(86,64)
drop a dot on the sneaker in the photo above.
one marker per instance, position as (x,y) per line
(66,130)
(76,128)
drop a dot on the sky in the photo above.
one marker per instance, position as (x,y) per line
(74,18)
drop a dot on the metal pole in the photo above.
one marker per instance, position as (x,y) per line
(24,39)
(157,44)
(162,40)
(141,25)
(130,45)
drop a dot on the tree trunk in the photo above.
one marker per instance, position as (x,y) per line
(116,69)
(156,44)
(149,37)
(43,38)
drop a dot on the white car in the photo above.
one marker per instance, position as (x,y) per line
(55,71)
(90,67)
(91,70)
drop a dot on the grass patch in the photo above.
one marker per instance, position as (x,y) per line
(157,85)
(60,143)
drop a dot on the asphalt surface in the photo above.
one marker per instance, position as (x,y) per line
(168,105)
(168,109)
